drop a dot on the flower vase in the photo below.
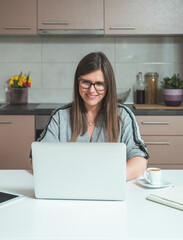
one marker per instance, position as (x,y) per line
(173,97)
(18,96)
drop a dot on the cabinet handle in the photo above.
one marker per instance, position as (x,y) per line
(155,123)
(157,143)
(5,122)
(122,28)
(18,28)
(56,23)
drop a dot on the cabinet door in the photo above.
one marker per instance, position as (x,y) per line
(160,125)
(164,150)
(143,17)
(70,14)
(163,136)
(16,135)
(18,17)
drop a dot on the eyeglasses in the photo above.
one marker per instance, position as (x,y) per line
(86,84)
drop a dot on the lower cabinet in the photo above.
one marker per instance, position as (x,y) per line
(163,136)
(17,132)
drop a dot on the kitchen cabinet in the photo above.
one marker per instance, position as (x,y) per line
(70,14)
(18,17)
(17,132)
(163,136)
(131,17)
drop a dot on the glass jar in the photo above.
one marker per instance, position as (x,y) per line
(152,87)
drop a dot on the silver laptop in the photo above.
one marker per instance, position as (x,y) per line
(85,171)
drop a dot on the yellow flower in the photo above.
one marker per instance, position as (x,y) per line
(11,82)
(20,83)
(23,79)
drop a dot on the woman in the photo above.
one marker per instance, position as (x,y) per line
(95,116)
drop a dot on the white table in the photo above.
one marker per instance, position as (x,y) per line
(136,218)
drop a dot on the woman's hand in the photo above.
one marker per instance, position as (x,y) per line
(135,167)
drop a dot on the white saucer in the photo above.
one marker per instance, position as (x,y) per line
(144,183)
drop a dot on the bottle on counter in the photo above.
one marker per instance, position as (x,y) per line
(152,87)
(140,89)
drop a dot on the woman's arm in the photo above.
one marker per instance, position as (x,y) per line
(135,167)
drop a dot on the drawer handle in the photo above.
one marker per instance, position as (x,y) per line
(56,23)
(122,28)
(5,122)
(157,143)
(18,28)
(155,123)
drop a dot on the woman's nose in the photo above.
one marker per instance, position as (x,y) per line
(92,88)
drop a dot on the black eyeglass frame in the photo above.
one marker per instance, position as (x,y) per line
(89,82)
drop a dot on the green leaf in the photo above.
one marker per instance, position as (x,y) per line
(175,82)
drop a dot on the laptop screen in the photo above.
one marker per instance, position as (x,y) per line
(93,171)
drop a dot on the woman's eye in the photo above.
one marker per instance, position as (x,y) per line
(86,82)
(99,83)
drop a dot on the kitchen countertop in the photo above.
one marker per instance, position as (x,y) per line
(28,109)
(47,109)
(155,112)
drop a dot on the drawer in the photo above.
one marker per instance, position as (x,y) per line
(17,132)
(160,125)
(164,149)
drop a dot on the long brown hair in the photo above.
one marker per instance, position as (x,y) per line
(90,63)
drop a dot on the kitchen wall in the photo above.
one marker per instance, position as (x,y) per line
(53,60)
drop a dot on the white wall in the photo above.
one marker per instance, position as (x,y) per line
(53,60)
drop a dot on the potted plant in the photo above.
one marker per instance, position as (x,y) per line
(18,86)
(173,90)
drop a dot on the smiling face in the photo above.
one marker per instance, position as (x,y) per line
(91,97)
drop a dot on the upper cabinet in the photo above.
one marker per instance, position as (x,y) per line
(18,17)
(120,17)
(70,14)
(146,17)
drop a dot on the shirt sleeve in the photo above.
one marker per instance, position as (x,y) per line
(130,135)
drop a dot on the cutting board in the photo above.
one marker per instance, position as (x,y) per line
(157,106)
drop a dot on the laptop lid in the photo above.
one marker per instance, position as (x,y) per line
(73,170)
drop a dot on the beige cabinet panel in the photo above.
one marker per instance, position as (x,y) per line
(16,135)
(18,17)
(143,17)
(163,136)
(164,149)
(160,125)
(70,14)
(167,166)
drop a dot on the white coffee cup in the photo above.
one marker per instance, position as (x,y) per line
(153,176)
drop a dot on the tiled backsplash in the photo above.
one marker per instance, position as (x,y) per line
(53,60)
